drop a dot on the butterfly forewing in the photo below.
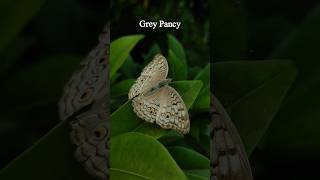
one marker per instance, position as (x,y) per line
(228,157)
(88,83)
(154,72)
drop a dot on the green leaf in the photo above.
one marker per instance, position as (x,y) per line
(155,49)
(125,120)
(188,158)
(121,88)
(138,156)
(203,101)
(177,48)
(252,92)
(198,174)
(193,72)
(301,111)
(177,69)
(11,19)
(120,50)
(194,176)
(229,29)
(51,157)
(204,75)
(130,68)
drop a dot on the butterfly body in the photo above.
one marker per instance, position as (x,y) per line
(154,101)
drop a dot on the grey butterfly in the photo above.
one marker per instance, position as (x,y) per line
(154,101)
(84,103)
(228,157)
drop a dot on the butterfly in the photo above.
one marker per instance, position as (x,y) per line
(154,101)
(229,160)
(84,103)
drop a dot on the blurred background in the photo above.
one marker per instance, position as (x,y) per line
(41,45)
(271,29)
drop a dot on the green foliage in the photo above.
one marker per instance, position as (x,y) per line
(301,112)
(120,49)
(252,92)
(178,69)
(51,157)
(138,156)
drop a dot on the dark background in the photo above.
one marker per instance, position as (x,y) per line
(193,32)
(258,31)
(64,31)
(37,61)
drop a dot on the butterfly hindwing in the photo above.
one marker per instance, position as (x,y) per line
(228,157)
(165,107)
(90,135)
(173,111)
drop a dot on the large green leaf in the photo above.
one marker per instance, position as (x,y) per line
(130,68)
(188,158)
(192,175)
(51,158)
(121,88)
(203,100)
(301,112)
(11,19)
(252,92)
(178,69)
(176,47)
(136,156)
(120,50)
(125,120)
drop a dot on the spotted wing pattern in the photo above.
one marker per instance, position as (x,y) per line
(89,82)
(90,135)
(228,157)
(154,101)
(84,104)
(165,107)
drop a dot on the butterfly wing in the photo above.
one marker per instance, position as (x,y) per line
(89,127)
(152,74)
(165,107)
(229,159)
(89,83)
(90,135)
